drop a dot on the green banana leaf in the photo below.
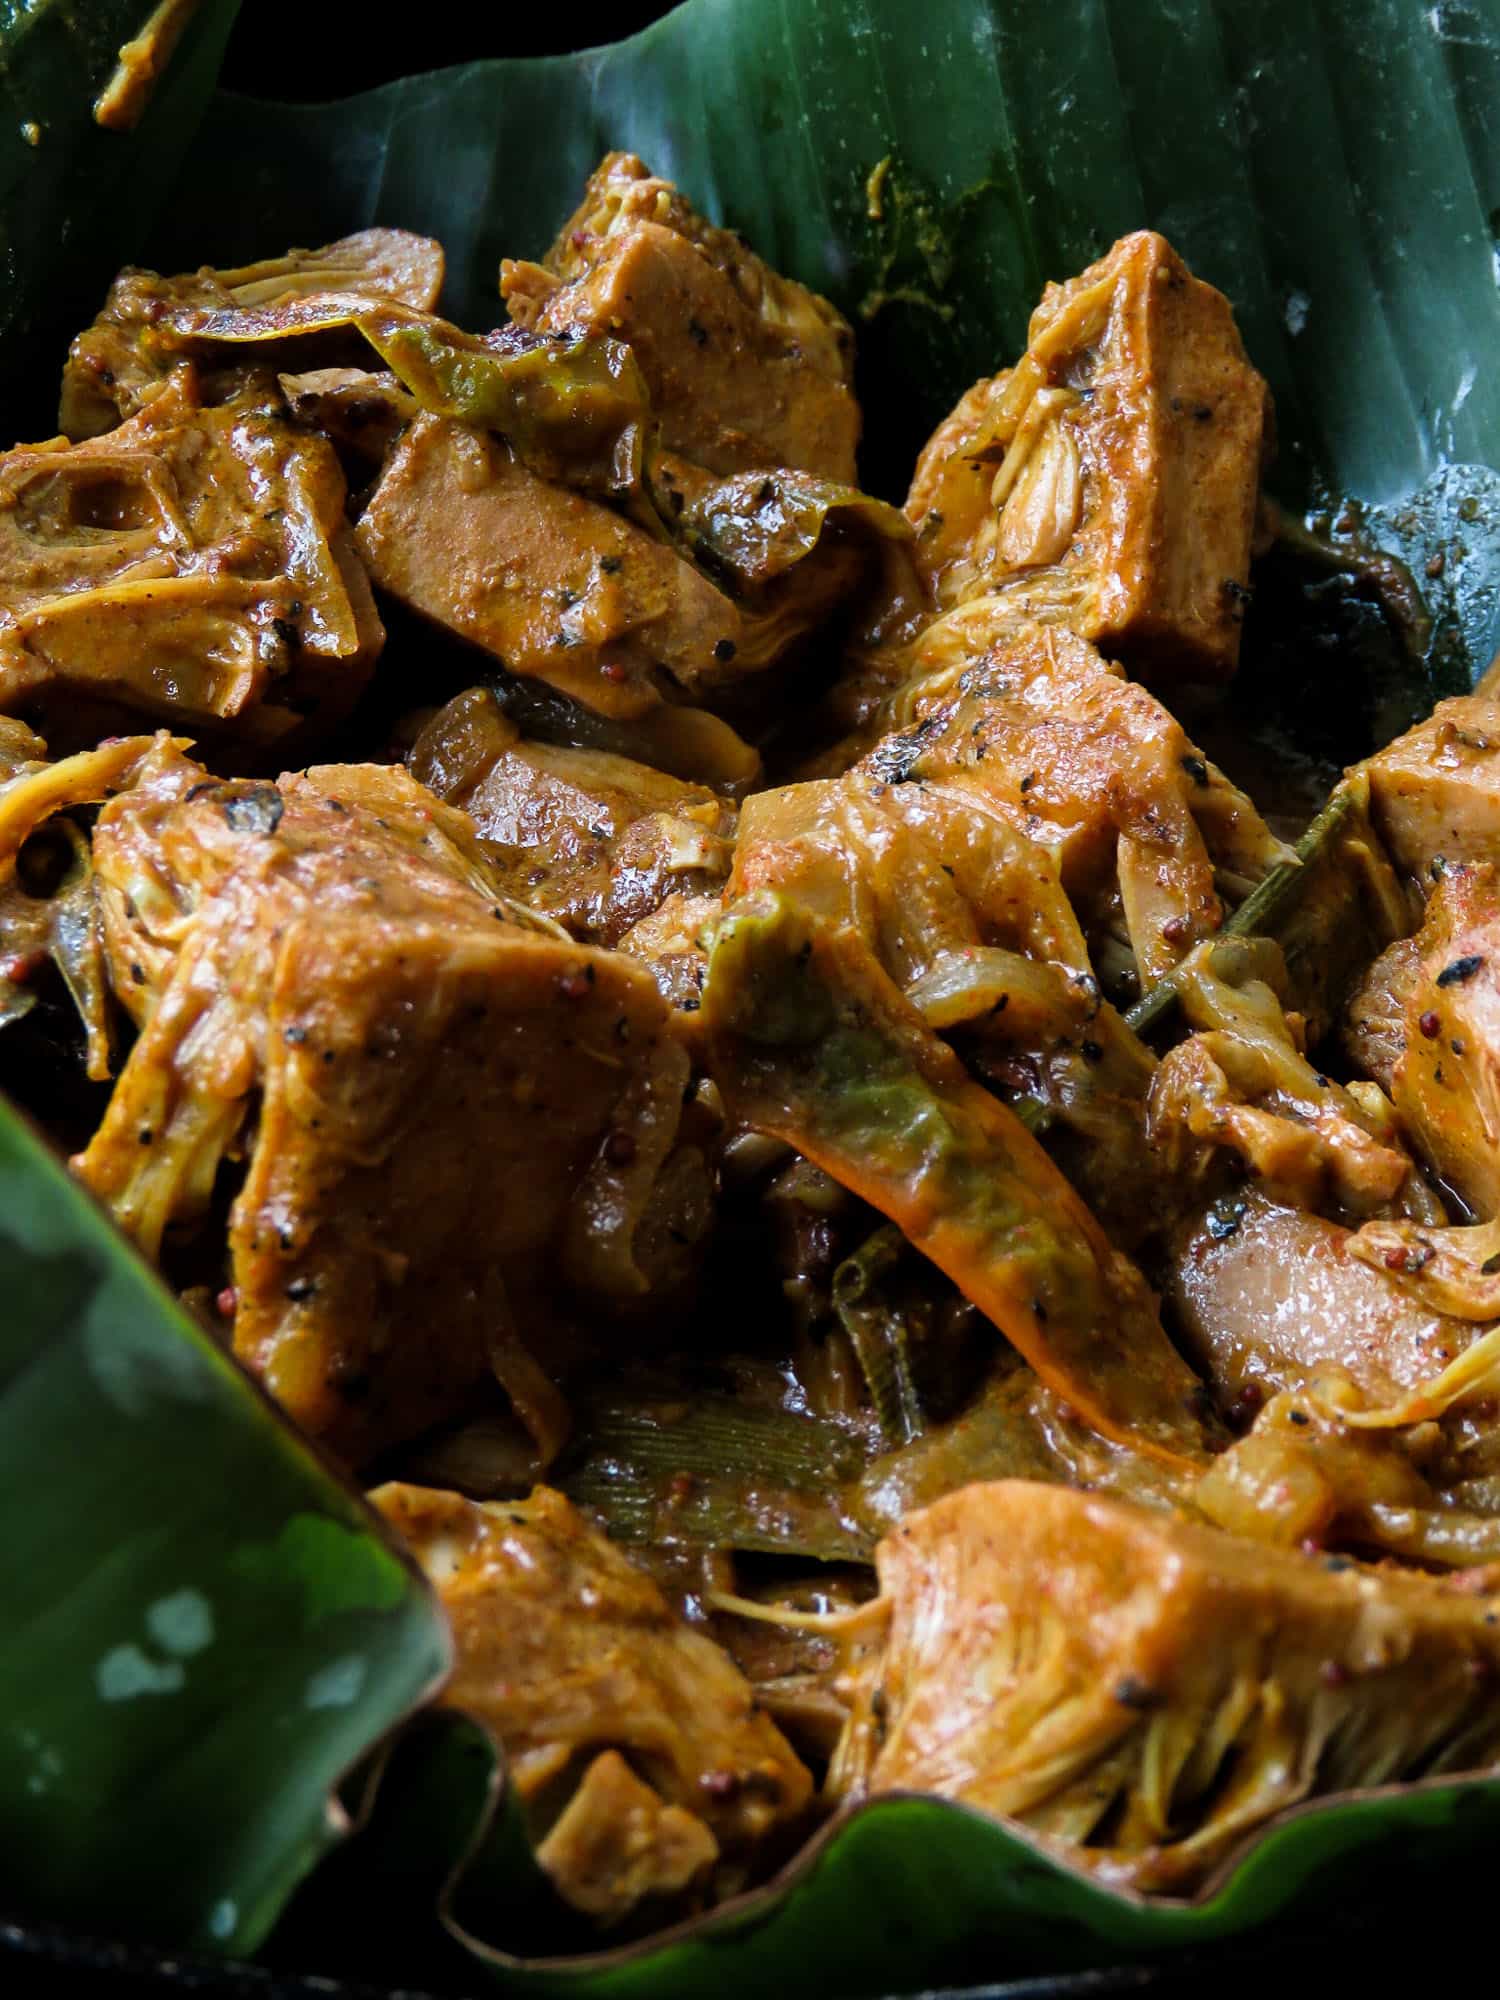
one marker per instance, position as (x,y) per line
(203,1629)
(77,200)
(1336,169)
(904,1895)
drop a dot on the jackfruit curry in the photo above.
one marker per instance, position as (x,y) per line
(866,1217)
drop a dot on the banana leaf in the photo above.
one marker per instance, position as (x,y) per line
(1336,170)
(77,199)
(203,1629)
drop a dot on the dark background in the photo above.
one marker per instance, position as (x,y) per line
(300,49)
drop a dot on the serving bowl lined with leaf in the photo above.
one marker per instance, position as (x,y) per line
(586,947)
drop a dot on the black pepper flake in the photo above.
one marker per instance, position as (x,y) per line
(1299,1416)
(1490,1265)
(1460,970)
(1028,781)
(699,333)
(1196,769)
(1224,1219)
(1336,1565)
(1136,1694)
(622,1029)
(257,810)
(1091,1051)
(725,649)
(894,762)
(145,1135)
(1039,1311)
(138,974)
(296,1036)
(611,565)
(689,1006)
(301,1288)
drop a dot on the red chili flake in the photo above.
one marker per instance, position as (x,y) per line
(1246,1406)
(575,984)
(1333,1673)
(612,671)
(1175,929)
(619,1149)
(1431,1025)
(226,1305)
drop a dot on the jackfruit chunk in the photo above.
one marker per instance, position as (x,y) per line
(51,913)
(551,583)
(1147,1691)
(116,365)
(634,1743)
(1269,1298)
(747,370)
(1039,729)
(595,841)
(192,565)
(1433,792)
(1446,1078)
(451,1117)
(1108,481)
